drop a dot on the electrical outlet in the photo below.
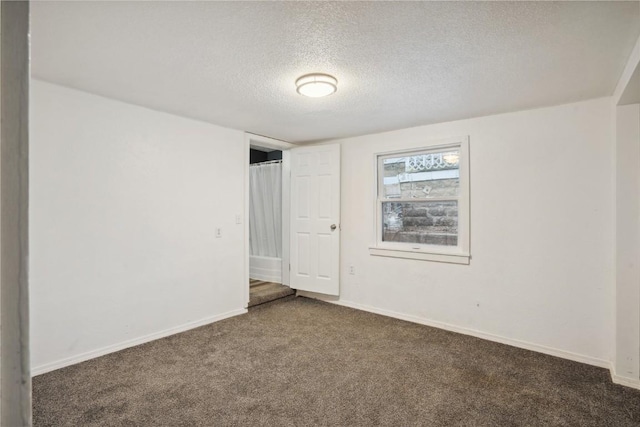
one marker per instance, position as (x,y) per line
(352,269)
(238,219)
(218,232)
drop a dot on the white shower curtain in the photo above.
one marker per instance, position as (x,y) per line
(265,209)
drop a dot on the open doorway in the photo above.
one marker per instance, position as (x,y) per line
(267,225)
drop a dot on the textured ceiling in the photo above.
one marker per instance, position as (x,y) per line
(398,64)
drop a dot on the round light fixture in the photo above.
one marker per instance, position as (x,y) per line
(316,85)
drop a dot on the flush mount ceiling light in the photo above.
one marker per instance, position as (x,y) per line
(316,85)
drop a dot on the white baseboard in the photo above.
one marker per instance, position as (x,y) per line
(628,382)
(465,331)
(131,343)
(265,276)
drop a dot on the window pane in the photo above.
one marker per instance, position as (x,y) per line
(431,223)
(421,176)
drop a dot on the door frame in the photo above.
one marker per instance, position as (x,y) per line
(274,144)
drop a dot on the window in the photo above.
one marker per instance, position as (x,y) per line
(422,203)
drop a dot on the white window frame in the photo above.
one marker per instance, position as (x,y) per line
(459,254)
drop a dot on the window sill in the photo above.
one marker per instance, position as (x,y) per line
(419,255)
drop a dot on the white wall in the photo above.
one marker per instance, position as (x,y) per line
(627,360)
(542,233)
(124,206)
(125,200)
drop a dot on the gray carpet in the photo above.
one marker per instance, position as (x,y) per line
(261,292)
(302,362)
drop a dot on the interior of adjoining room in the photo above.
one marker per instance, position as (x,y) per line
(266,261)
(312,213)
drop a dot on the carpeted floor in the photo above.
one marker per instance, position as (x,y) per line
(261,292)
(303,362)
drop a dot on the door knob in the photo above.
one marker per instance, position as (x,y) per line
(333,227)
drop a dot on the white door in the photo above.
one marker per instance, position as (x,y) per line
(315,219)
